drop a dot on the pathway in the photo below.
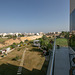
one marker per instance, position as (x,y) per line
(62,64)
(21,64)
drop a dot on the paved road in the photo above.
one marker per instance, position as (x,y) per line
(62,64)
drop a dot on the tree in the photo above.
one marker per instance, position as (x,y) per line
(26,41)
(67,35)
(72,41)
(21,42)
(14,44)
(49,46)
(1,35)
(45,43)
(44,37)
(9,36)
(14,37)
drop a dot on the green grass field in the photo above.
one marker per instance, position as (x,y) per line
(61,42)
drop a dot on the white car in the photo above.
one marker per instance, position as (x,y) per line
(36,43)
(18,73)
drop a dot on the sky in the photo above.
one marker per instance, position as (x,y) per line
(34,15)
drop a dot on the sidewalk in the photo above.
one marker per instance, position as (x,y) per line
(62,64)
(22,62)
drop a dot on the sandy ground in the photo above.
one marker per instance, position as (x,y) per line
(18,40)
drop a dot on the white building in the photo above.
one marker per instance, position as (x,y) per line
(4,34)
(17,34)
(37,34)
(3,51)
(1,33)
(41,33)
(7,50)
(10,33)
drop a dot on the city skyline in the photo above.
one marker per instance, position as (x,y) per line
(34,16)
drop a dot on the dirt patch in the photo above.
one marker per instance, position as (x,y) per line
(18,40)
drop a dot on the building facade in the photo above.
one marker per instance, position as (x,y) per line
(72,15)
(72,25)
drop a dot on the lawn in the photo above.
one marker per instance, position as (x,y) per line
(34,62)
(7,65)
(61,42)
(2,40)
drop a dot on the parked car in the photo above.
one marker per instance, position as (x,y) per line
(36,43)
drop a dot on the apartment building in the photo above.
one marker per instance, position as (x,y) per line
(72,15)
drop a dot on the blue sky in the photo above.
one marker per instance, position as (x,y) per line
(34,15)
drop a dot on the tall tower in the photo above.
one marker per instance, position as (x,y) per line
(72,15)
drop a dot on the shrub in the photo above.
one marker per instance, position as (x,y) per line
(12,46)
(24,44)
(0,52)
(9,36)
(72,41)
(26,41)
(14,43)
(50,37)
(14,37)
(18,49)
(49,46)
(2,56)
(31,42)
(21,45)
(21,42)
(44,37)
(15,58)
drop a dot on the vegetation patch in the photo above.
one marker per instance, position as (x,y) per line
(61,42)
(18,49)
(15,58)
(2,40)
(46,43)
(72,41)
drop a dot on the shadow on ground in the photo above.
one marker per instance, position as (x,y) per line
(9,69)
(36,50)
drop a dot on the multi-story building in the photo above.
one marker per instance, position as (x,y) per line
(72,24)
(72,15)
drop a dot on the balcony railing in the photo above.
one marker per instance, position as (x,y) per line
(50,70)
